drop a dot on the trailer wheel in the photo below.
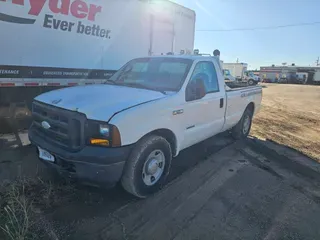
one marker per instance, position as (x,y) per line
(148,166)
(242,129)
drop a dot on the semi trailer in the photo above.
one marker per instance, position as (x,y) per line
(50,44)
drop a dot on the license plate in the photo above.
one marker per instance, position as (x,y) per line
(43,154)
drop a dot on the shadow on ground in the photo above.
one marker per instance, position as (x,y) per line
(248,190)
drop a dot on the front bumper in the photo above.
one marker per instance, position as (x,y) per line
(91,165)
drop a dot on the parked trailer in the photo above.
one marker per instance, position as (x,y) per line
(239,71)
(236,69)
(52,44)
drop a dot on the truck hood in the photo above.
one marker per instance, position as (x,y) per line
(98,102)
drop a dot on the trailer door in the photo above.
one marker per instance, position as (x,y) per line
(161,36)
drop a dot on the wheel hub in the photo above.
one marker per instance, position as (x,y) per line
(152,167)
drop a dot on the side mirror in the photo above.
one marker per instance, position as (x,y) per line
(195,90)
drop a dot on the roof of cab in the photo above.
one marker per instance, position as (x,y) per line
(191,57)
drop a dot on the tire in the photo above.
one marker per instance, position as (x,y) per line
(136,176)
(250,82)
(240,131)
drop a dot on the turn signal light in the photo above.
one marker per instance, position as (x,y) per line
(101,142)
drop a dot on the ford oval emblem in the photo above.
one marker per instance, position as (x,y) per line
(45,125)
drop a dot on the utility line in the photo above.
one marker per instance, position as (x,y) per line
(258,28)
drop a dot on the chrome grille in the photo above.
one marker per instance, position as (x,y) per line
(66,127)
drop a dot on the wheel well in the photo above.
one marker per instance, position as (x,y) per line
(251,107)
(169,136)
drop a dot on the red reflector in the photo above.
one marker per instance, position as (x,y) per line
(7,84)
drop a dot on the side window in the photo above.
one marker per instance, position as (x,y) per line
(207,72)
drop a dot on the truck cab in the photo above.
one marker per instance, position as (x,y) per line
(130,128)
(228,76)
(250,78)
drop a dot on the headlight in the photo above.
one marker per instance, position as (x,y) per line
(102,134)
(104,130)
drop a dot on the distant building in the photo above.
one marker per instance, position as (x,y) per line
(276,73)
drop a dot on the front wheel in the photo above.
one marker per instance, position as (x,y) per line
(148,166)
(251,82)
(242,129)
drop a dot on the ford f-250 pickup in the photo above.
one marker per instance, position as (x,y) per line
(130,128)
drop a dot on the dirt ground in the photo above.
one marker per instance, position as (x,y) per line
(237,193)
(290,115)
(217,189)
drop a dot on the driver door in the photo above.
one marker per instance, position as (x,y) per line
(204,117)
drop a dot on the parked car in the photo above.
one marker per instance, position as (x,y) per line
(130,128)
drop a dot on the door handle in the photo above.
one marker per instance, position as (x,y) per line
(221,102)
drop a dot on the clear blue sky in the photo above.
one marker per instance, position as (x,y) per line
(300,45)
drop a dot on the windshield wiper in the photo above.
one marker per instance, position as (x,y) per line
(139,85)
(110,81)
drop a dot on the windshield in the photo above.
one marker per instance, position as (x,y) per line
(162,74)
(226,72)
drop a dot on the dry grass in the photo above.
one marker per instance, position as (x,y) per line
(15,216)
(15,211)
(290,115)
(21,205)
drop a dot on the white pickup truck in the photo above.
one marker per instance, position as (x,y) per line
(131,127)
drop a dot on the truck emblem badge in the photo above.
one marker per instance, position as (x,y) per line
(45,125)
(176,112)
(56,101)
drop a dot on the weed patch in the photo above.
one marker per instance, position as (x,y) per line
(22,203)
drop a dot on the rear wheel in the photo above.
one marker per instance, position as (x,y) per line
(148,166)
(242,129)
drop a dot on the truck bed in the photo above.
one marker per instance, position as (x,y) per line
(236,84)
